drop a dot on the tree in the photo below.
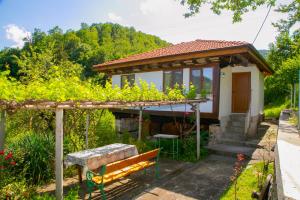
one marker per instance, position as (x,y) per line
(238,7)
(75,50)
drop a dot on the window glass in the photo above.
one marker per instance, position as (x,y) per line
(171,78)
(177,78)
(167,80)
(127,78)
(208,81)
(202,79)
(195,79)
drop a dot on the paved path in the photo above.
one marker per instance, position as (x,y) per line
(205,180)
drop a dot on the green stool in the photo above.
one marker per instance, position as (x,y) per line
(174,139)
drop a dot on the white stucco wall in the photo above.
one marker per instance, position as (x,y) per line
(257,86)
(225,92)
(186,78)
(261,92)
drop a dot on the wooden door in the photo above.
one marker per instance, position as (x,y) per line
(241,92)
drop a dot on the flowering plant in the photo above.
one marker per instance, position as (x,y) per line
(6,160)
(238,166)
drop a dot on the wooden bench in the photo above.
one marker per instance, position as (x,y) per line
(120,169)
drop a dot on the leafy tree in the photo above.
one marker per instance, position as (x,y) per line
(238,7)
(75,50)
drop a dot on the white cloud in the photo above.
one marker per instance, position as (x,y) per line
(114,17)
(16,34)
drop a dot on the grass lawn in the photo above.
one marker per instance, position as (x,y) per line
(247,182)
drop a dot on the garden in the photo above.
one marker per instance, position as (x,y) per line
(27,161)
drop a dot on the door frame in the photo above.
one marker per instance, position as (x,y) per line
(249,94)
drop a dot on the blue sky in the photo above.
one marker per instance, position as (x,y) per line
(163,18)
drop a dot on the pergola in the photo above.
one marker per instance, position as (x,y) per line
(59,108)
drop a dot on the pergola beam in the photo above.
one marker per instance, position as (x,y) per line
(31,105)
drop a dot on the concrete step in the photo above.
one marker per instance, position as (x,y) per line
(234,137)
(240,124)
(235,142)
(238,117)
(233,129)
(230,150)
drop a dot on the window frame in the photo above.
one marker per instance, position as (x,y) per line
(172,79)
(121,81)
(202,77)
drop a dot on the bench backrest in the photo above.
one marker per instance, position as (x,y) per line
(132,160)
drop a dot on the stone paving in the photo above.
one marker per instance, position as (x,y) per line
(206,179)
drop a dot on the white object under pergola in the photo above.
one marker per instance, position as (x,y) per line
(59,108)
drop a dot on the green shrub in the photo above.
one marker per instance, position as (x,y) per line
(35,157)
(274,110)
(17,189)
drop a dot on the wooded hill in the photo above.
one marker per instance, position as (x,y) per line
(75,51)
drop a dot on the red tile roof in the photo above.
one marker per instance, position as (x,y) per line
(178,49)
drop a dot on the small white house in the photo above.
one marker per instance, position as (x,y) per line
(231,73)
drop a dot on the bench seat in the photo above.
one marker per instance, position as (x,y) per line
(121,169)
(122,172)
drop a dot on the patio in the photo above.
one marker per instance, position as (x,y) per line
(179,180)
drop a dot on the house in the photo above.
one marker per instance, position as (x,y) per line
(231,73)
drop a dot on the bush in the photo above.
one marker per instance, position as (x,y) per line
(17,189)
(274,110)
(35,157)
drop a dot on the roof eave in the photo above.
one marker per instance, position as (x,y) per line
(246,48)
(207,53)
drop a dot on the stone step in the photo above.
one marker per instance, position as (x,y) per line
(230,150)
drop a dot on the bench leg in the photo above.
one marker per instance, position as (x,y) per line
(90,189)
(79,169)
(156,171)
(101,188)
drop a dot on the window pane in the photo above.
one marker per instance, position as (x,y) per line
(128,78)
(131,79)
(167,79)
(177,78)
(195,79)
(208,81)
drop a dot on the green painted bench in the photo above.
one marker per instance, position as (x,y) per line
(120,169)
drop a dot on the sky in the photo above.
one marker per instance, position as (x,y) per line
(163,18)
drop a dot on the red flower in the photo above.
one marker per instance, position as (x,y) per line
(2,167)
(9,156)
(13,163)
(2,152)
(240,157)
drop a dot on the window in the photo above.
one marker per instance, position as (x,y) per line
(202,79)
(127,78)
(171,78)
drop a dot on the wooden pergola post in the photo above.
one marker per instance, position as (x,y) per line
(140,123)
(198,130)
(59,153)
(87,124)
(2,129)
